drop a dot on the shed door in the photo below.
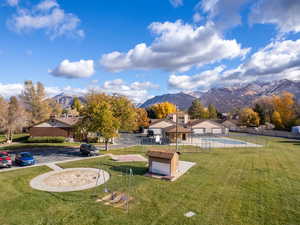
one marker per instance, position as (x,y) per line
(161,168)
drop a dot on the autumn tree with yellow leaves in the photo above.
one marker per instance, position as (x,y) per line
(142,119)
(284,108)
(161,110)
(248,117)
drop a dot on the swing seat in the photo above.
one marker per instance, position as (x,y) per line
(108,197)
(122,203)
(115,199)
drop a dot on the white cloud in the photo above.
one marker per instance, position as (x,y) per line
(176,3)
(283,13)
(12,3)
(278,60)
(224,13)
(79,69)
(137,91)
(47,5)
(201,81)
(49,16)
(15,89)
(197,17)
(273,60)
(178,46)
(7,90)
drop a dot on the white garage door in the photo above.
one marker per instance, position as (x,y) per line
(198,130)
(217,131)
(161,168)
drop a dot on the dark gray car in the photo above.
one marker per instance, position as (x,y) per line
(89,150)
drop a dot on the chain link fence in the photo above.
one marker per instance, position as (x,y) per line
(207,142)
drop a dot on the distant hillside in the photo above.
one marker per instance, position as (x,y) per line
(66,100)
(227,99)
(182,100)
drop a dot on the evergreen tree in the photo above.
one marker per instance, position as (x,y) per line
(261,113)
(197,110)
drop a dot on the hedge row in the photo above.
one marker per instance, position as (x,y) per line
(46,140)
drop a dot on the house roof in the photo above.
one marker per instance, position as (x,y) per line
(71,121)
(161,120)
(195,122)
(179,129)
(161,154)
(68,121)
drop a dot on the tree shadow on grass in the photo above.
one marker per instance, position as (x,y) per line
(73,196)
(295,142)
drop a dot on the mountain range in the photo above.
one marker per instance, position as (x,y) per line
(228,98)
(66,100)
(225,99)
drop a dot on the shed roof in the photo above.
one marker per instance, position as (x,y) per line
(161,154)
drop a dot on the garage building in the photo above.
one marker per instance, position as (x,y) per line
(163,162)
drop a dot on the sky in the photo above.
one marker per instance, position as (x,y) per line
(142,48)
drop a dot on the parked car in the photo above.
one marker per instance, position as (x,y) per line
(5,160)
(89,150)
(24,159)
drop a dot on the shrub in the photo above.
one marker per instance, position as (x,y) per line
(46,140)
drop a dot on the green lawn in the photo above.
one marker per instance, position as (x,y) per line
(250,186)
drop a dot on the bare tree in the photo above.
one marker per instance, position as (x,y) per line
(15,118)
(34,99)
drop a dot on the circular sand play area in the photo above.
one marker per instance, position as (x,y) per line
(74,179)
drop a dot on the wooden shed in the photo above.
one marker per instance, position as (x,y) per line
(163,162)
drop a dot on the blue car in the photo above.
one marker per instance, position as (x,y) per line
(24,159)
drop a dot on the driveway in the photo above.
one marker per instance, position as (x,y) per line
(49,154)
(55,154)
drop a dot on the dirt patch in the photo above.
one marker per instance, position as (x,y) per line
(72,178)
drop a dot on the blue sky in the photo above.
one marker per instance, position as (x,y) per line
(142,48)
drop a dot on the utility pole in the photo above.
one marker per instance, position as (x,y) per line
(176,129)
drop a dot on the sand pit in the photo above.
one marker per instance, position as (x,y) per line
(74,179)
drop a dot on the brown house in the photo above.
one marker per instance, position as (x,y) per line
(54,127)
(163,162)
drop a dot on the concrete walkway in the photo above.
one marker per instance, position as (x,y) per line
(54,167)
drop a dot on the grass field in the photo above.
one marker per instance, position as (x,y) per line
(241,186)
